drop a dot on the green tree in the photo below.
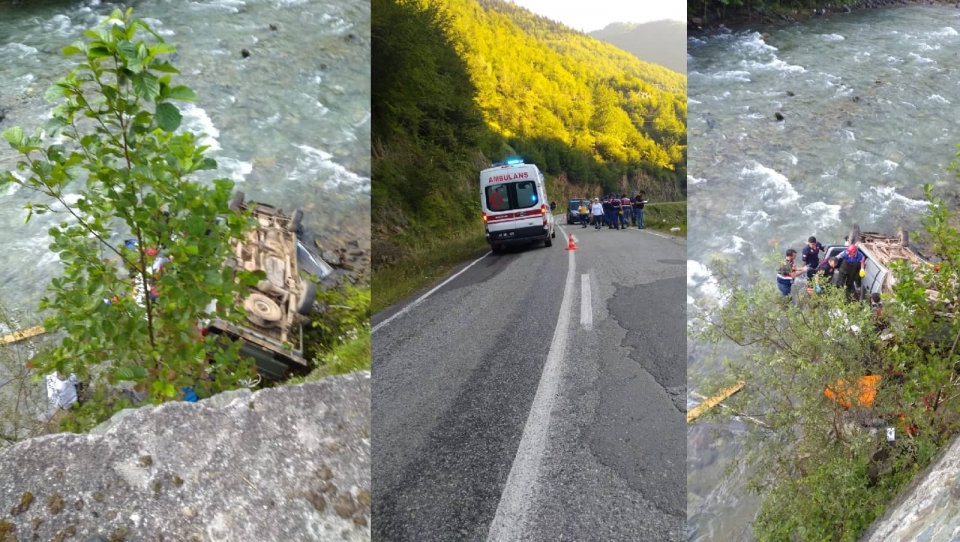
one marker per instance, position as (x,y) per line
(132,172)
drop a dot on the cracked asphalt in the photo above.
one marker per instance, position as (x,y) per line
(455,377)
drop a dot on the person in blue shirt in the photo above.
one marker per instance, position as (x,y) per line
(811,256)
(852,264)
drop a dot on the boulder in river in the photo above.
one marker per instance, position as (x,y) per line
(287,463)
(244,53)
(778,115)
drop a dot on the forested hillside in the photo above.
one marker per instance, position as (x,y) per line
(458,84)
(660,42)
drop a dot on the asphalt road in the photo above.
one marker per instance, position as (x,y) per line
(538,395)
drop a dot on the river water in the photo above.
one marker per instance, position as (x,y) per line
(290,124)
(872,117)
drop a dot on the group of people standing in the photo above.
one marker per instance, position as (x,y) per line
(615,211)
(845,270)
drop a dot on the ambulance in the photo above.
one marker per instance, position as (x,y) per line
(513,196)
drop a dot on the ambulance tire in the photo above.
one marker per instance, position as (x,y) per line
(548,242)
(496,249)
(553,234)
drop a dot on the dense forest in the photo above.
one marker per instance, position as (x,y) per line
(467,81)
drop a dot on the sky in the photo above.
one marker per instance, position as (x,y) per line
(590,15)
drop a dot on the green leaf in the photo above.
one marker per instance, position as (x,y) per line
(159,48)
(182,93)
(127,50)
(53,93)
(192,250)
(14,136)
(98,51)
(146,86)
(76,48)
(163,66)
(168,117)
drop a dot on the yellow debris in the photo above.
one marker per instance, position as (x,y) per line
(18,336)
(714,401)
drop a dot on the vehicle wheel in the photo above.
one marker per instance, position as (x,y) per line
(548,242)
(904,237)
(854,234)
(496,249)
(237,202)
(261,308)
(295,220)
(309,296)
(553,234)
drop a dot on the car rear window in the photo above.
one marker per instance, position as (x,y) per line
(509,196)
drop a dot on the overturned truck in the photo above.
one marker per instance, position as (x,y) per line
(277,307)
(880,252)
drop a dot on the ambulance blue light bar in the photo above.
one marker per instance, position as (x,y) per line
(514,161)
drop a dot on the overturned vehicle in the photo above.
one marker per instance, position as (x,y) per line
(880,251)
(277,307)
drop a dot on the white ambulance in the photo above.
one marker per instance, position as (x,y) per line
(515,210)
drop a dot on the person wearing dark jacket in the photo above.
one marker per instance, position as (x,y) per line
(615,213)
(638,202)
(824,273)
(607,212)
(811,256)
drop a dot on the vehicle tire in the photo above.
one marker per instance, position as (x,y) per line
(261,308)
(548,242)
(553,234)
(305,306)
(295,220)
(854,234)
(904,237)
(237,202)
(496,249)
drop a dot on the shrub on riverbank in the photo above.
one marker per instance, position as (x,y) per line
(122,319)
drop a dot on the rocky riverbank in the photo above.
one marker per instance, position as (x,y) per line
(781,16)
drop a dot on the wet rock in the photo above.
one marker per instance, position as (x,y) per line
(778,115)
(790,93)
(274,27)
(331,258)
(856,99)
(244,53)
(243,459)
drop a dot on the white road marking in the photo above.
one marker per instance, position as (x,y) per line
(426,295)
(513,511)
(586,307)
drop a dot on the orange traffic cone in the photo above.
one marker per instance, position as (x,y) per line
(571,245)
